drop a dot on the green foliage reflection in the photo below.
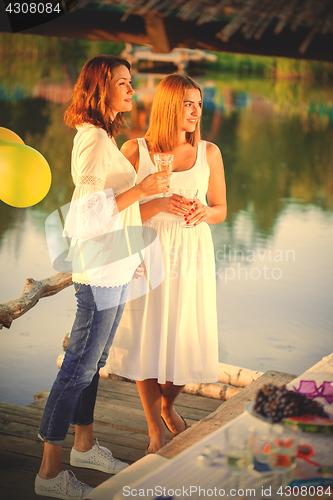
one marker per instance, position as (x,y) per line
(274,134)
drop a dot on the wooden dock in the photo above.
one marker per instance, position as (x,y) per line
(120,425)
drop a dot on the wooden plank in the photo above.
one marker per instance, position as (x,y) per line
(183,400)
(117,401)
(12,465)
(129,388)
(34,448)
(225,413)
(107,436)
(115,416)
(17,430)
(199,402)
(120,424)
(41,394)
(32,419)
(17,416)
(136,410)
(119,386)
(13,409)
(18,484)
(124,405)
(126,392)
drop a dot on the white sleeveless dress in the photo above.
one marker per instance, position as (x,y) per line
(170,333)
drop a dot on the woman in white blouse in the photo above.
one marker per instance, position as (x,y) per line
(104,203)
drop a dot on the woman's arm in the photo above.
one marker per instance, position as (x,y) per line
(152,184)
(216,211)
(174,204)
(166,204)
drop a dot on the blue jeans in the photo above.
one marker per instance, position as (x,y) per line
(73,394)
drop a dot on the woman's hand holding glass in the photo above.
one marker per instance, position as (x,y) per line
(190,195)
(163,162)
(174,204)
(156,183)
(193,212)
(198,214)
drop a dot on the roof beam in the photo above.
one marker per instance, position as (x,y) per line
(165,33)
(157,33)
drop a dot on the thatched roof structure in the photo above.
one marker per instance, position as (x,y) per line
(290,28)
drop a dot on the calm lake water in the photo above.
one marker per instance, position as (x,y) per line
(273,253)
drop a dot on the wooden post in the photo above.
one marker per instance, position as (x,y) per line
(157,33)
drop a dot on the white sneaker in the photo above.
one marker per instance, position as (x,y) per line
(65,485)
(98,458)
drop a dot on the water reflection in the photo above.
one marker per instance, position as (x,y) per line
(271,152)
(275,137)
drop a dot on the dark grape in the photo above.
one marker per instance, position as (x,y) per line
(277,403)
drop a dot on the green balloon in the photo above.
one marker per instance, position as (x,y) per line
(25,176)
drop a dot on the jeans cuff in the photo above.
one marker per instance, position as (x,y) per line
(85,423)
(59,441)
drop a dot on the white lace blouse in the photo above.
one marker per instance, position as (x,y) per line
(99,249)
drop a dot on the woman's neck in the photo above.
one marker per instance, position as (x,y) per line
(182,139)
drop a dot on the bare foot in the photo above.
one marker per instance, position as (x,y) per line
(174,422)
(155,444)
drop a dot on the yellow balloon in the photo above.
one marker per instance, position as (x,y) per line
(10,136)
(25,176)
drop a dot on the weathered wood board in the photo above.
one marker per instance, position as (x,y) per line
(120,425)
(223,414)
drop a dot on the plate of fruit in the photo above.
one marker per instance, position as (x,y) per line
(279,405)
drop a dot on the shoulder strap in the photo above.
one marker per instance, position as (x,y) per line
(143,149)
(203,153)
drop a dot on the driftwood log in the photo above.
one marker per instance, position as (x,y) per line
(32,292)
(236,375)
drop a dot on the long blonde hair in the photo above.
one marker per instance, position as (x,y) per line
(166,114)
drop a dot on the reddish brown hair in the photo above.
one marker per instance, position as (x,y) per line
(166,114)
(89,103)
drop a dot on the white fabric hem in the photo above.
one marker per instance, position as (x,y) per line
(208,380)
(101,285)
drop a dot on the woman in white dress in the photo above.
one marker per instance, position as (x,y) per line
(168,337)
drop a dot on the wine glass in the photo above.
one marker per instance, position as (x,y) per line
(262,446)
(238,453)
(191,195)
(163,162)
(283,451)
